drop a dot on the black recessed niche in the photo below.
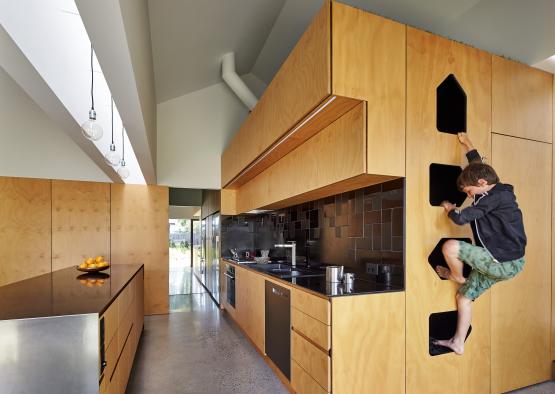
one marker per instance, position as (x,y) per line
(442,326)
(451,106)
(436,257)
(443,184)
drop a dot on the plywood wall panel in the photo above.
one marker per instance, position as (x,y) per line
(139,222)
(520,340)
(80,222)
(522,100)
(300,85)
(25,228)
(553,240)
(369,64)
(430,59)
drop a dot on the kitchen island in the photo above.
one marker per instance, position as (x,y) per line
(71,332)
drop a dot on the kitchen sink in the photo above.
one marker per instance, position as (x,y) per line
(284,271)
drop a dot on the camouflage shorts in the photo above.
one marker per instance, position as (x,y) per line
(485,270)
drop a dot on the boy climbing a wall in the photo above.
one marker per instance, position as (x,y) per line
(498,231)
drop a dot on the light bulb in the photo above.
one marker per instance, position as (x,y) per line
(123,171)
(91,129)
(112,157)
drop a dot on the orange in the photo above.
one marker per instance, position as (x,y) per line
(99,259)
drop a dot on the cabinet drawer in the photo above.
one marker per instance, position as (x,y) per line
(316,307)
(124,329)
(125,298)
(112,355)
(302,382)
(111,322)
(315,362)
(311,328)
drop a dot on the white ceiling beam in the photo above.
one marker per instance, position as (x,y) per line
(120,34)
(14,62)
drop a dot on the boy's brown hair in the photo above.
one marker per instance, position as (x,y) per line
(474,171)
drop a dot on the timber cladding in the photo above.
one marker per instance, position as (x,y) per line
(25,228)
(47,225)
(430,60)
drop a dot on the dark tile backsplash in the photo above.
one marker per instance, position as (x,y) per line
(350,229)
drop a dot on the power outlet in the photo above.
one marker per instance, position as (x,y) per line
(372,268)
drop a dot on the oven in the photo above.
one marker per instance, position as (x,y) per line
(230,281)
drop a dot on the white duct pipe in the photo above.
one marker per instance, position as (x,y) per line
(235,83)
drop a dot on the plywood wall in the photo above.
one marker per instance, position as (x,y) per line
(553,239)
(520,340)
(430,59)
(25,242)
(80,222)
(521,100)
(139,222)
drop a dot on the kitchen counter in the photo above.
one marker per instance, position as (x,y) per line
(319,286)
(360,286)
(61,293)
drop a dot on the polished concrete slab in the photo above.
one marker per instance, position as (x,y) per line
(542,388)
(183,281)
(198,350)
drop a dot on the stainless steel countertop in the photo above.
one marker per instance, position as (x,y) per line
(61,293)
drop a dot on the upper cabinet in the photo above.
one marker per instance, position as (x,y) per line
(369,64)
(346,57)
(522,100)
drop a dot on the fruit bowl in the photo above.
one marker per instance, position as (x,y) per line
(96,269)
(93,264)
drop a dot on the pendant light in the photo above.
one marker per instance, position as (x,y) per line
(123,171)
(91,129)
(112,157)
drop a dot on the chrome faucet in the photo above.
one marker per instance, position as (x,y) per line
(293,246)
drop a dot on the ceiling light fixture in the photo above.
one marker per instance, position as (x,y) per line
(91,129)
(112,157)
(123,171)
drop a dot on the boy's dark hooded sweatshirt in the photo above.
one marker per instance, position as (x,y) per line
(495,219)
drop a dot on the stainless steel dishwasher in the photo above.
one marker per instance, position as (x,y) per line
(278,327)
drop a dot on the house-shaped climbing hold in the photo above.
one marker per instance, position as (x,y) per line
(436,257)
(443,184)
(451,106)
(442,325)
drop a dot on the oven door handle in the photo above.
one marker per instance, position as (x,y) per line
(229,276)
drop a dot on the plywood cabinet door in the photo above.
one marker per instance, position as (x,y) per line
(302,82)
(522,100)
(369,64)
(335,154)
(249,304)
(520,312)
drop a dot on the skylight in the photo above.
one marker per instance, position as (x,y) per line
(52,36)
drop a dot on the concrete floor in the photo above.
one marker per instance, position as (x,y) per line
(542,388)
(198,350)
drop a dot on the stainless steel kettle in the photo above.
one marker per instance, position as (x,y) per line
(334,273)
